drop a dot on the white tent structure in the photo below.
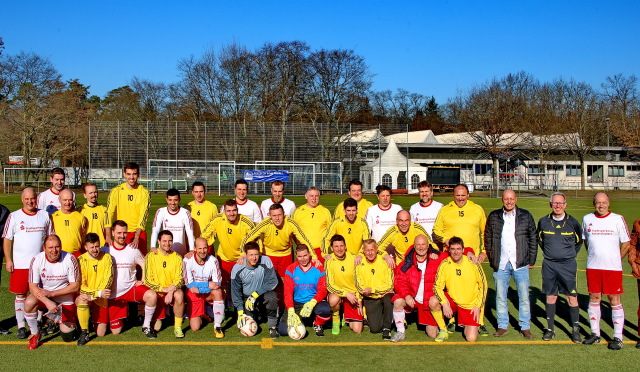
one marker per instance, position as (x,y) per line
(392,169)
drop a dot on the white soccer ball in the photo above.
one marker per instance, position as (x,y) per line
(248,327)
(298,332)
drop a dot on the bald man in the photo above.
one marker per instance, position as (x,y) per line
(511,245)
(70,225)
(400,237)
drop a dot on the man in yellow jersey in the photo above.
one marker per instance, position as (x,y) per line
(355,192)
(202,211)
(353,228)
(341,285)
(70,225)
(314,219)
(96,277)
(163,274)
(374,281)
(398,238)
(96,214)
(130,202)
(460,287)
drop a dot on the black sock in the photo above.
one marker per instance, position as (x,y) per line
(551,315)
(575,315)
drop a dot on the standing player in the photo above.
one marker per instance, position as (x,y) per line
(203,281)
(314,219)
(4,215)
(49,200)
(426,210)
(466,289)
(341,285)
(130,202)
(252,288)
(163,274)
(606,238)
(305,292)
(126,288)
(176,219)
(634,262)
(246,207)
(374,280)
(350,226)
(382,216)
(95,213)
(397,240)
(53,280)
(355,192)
(96,270)
(277,197)
(413,285)
(202,211)
(560,238)
(70,225)
(24,233)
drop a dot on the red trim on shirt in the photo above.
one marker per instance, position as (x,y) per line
(30,214)
(605,216)
(245,202)
(54,193)
(382,209)
(426,206)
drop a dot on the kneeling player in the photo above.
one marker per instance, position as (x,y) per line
(341,285)
(96,269)
(304,293)
(466,289)
(252,287)
(203,280)
(53,281)
(413,284)
(163,274)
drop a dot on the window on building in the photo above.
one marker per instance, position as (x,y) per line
(534,168)
(573,171)
(483,168)
(465,166)
(555,167)
(415,180)
(387,180)
(595,173)
(633,168)
(616,170)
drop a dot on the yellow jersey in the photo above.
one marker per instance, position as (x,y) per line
(97,220)
(129,205)
(70,228)
(377,276)
(161,271)
(397,244)
(278,242)
(229,235)
(363,205)
(96,275)
(465,283)
(467,223)
(354,234)
(201,215)
(314,222)
(340,274)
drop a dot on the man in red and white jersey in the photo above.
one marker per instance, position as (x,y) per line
(606,237)
(126,288)
(203,280)
(48,200)
(383,215)
(175,219)
(426,210)
(246,207)
(54,279)
(277,197)
(24,234)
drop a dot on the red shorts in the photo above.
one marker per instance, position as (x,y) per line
(68,312)
(607,282)
(99,314)
(424,313)
(280,264)
(19,281)
(351,311)
(225,269)
(465,318)
(142,241)
(119,306)
(195,303)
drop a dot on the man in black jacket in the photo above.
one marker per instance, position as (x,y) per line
(4,214)
(511,244)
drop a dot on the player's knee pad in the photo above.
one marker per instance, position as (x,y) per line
(69,336)
(322,309)
(115,324)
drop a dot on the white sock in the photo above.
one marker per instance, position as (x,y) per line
(218,313)
(398,318)
(594,317)
(18,305)
(617,313)
(148,314)
(32,321)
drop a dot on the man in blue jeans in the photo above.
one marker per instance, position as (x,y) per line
(511,244)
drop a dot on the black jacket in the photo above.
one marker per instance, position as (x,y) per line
(526,238)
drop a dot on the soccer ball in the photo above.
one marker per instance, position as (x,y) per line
(298,332)
(248,327)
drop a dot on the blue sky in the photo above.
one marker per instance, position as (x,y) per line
(428,47)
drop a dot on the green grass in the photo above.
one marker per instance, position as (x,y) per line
(519,356)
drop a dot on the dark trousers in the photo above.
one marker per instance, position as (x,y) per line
(379,312)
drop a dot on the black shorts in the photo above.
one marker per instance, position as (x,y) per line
(559,276)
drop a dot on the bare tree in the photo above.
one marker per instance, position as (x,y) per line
(623,105)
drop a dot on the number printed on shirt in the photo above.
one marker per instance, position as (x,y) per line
(164,264)
(94,216)
(95,268)
(461,213)
(66,223)
(229,231)
(130,197)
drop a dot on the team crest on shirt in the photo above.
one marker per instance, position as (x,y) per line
(377,220)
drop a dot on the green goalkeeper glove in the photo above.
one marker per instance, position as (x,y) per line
(308,308)
(242,318)
(293,319)
(251,301)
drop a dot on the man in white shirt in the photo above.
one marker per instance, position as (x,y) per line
(176,219)
(48,200)
(426,210)
(383,215)
(246,207)
(277,197)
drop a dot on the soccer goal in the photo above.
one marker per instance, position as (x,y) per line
(528,181)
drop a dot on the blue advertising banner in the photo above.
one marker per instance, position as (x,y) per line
(265,175)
